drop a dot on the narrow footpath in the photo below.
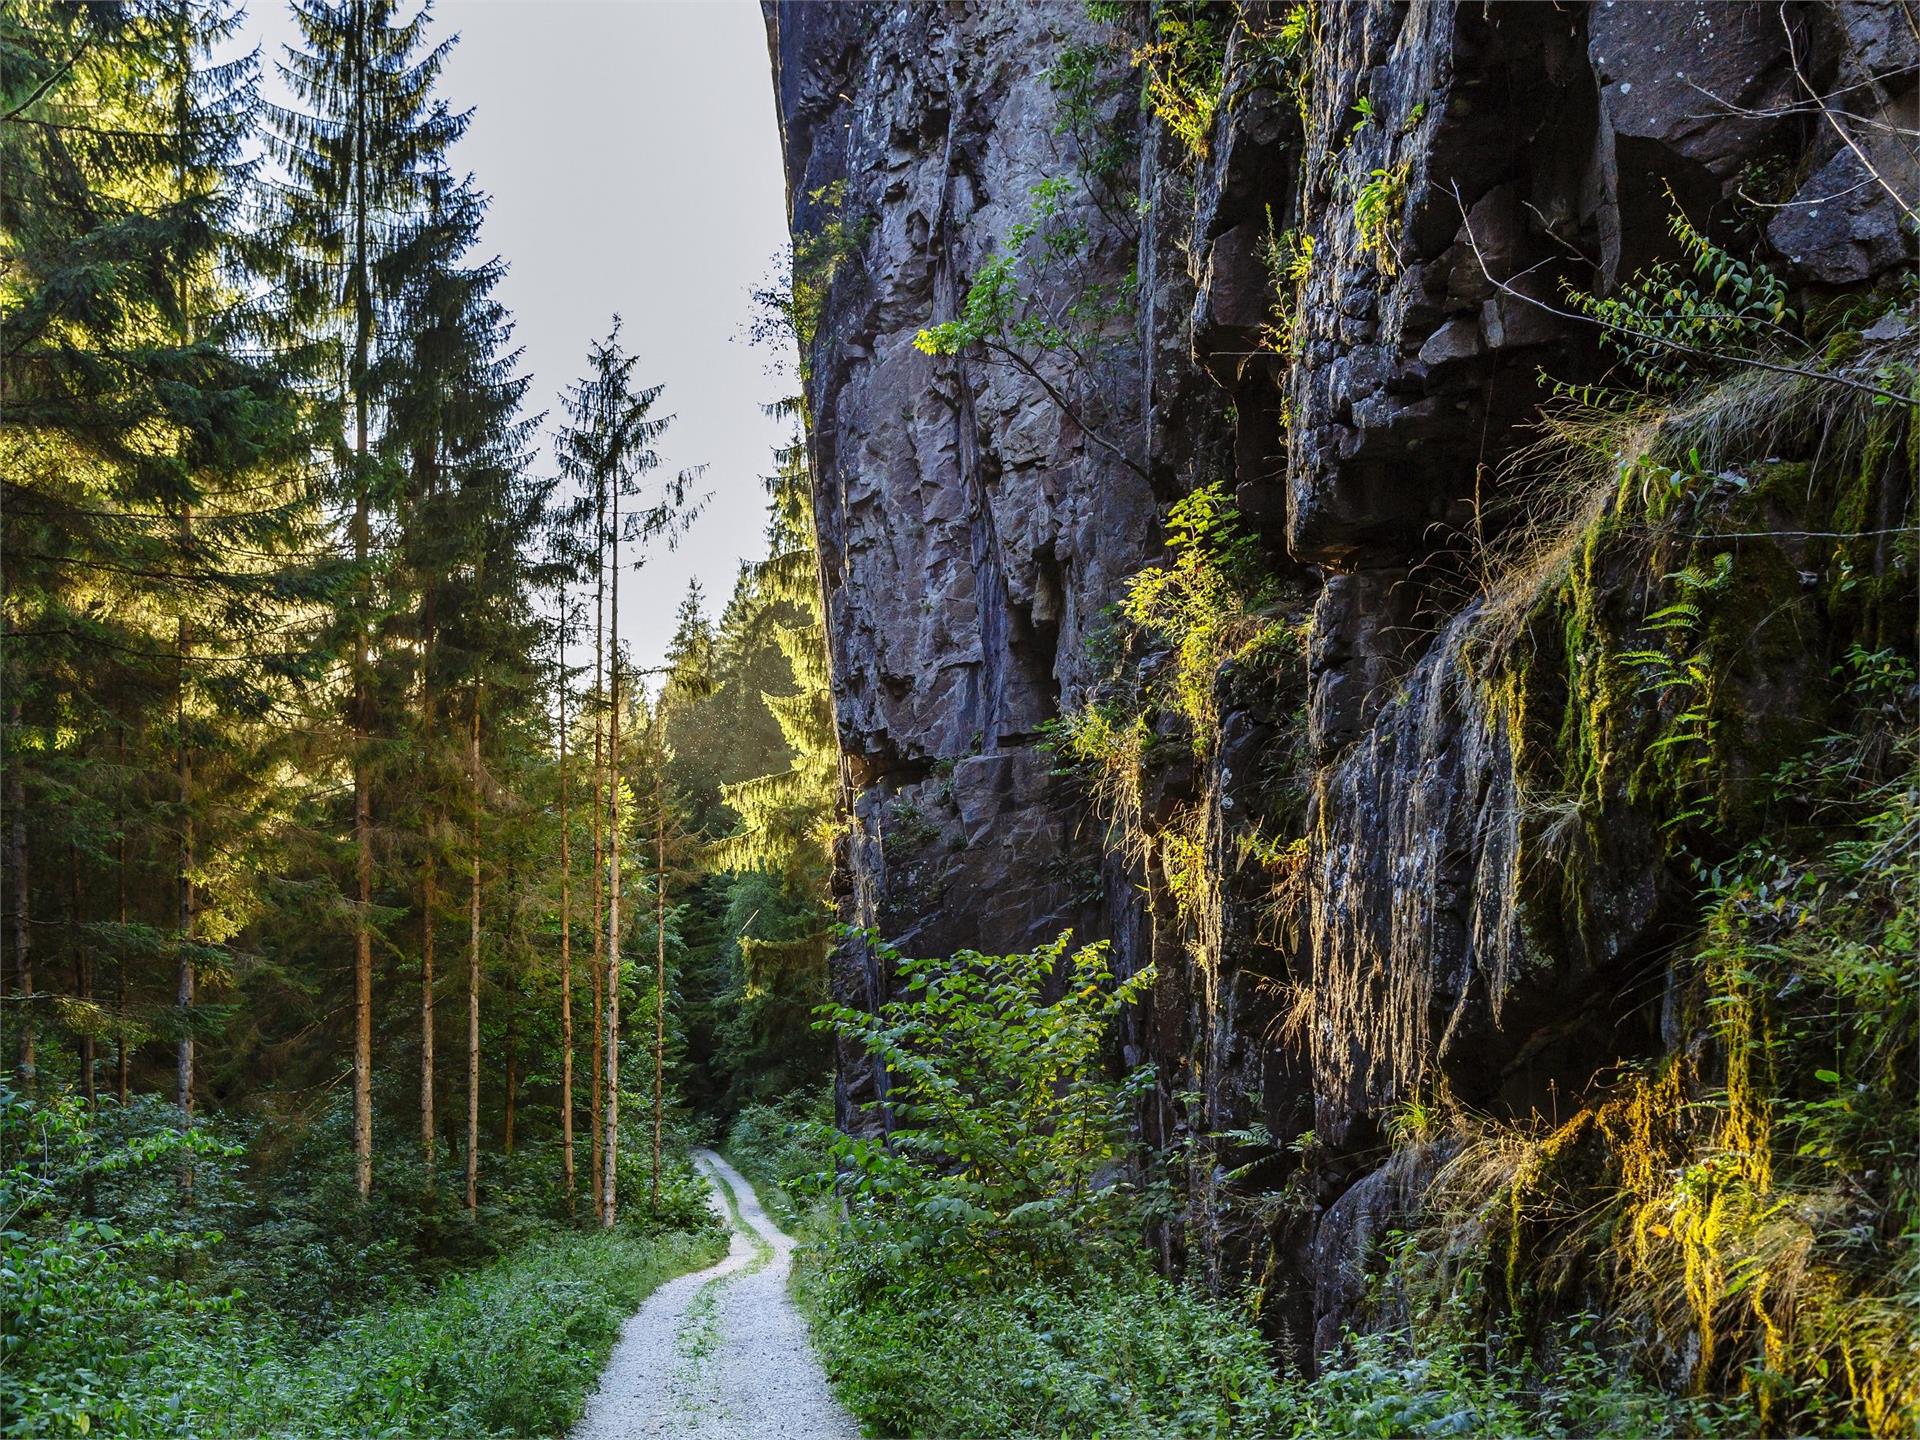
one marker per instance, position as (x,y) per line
(722,1352)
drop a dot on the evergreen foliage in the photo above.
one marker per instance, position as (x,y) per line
(279,698)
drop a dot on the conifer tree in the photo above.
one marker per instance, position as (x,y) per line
(156,512)
(787,818)
(606,451)
(358,153)
(472,504)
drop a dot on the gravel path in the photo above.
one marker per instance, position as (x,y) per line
(720,1353)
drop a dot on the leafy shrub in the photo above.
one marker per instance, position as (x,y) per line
(1671,323)
(1005,1130)
(78,1292)
(1005,312)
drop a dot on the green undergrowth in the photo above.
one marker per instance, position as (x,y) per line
(1106,1352)
(510,1350)
(781,1147)
(1110,1348)
(920,1339)
(270,1301)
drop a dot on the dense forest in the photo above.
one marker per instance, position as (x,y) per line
(1305,824)
(370,911)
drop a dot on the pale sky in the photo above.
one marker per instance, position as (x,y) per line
(633,157)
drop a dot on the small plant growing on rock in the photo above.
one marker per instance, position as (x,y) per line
(1185,70)
(1198,602)
(1006,318)
(1288,257)
(1376,215)
(1668,320)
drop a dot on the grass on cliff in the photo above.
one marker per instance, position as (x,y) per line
(1745,1210)
(1742,1211)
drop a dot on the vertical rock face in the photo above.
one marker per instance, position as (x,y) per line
(972,530)
(977,518)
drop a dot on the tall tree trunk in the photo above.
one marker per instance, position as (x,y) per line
(362,538)
(659,957)
(22,931)
(363,869)
(566,931)
(120,969)
(429,902)
(610,1146)
(82,980)
(189,905)
(187,918)
(594,1115)
(473,974)
(429,896)
(187,922)
(512,1058)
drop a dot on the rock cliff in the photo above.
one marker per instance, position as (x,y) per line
(1425,855)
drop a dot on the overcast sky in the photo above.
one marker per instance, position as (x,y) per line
(632,154)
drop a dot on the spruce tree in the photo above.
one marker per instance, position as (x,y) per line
(606,451)
(471,507)
(157,515)
(359,150)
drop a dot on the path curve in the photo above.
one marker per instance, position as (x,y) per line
(722,1352)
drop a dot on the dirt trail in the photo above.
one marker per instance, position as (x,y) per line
(721,1352)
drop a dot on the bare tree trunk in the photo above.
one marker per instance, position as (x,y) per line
(189,902)
(362,539)
(659,957)
(512,1058)
(610,1146)
(188,910)
(566,931)
(188,917)
(120,999)
(429,897)
(429,902)
(82,979)
(363,870)
(473,976)
(594,1116)
(22,931)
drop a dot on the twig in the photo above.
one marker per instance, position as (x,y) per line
(1793,58)
(47,84)
(1029,369)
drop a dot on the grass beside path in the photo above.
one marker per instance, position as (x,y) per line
(511,1349)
